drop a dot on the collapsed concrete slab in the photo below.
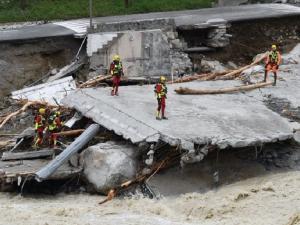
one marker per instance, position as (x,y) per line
(234,120)
(51,92)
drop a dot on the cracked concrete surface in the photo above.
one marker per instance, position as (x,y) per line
(234,120)
(227,120)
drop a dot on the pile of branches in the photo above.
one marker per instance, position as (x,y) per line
(25,105)
(168,161)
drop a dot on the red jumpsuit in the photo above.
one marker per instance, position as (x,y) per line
(53,129)
(39,121)
(273,61)
(116,70)
(161,94)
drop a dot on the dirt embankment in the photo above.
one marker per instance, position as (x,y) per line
(249,38)
(22,63)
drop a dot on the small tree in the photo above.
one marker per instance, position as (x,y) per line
(126,2)
(23,4)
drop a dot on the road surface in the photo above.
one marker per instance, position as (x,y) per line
(187,17)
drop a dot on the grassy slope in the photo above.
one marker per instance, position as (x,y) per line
(67,9)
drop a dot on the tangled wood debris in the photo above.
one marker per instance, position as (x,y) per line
(26,105)
(70,133)
(163,164)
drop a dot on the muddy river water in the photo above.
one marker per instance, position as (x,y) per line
(269,199)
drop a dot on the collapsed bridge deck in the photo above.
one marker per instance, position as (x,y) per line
(234,120)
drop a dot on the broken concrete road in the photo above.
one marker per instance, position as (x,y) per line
(224,120)
(199,17)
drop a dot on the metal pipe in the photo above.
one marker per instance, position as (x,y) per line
(79,50)
(77,145)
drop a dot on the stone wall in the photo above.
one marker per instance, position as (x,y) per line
(150,24)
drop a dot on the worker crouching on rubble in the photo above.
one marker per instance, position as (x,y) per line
(54,126)
(39,126)
(161,91)
(273,61)
(116,70)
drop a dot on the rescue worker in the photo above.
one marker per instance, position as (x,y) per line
(54,126)
(273,61)
(116,70)
(39,126)
(161,91)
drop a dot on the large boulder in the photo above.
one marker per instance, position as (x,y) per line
(107,165)
(213,66)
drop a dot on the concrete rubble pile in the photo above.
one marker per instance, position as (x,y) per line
(197,125)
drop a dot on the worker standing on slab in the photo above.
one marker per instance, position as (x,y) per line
(39,126)
(273,61)
(116,70)
(161,91)
(54,126)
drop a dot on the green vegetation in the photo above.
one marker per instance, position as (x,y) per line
(33,10)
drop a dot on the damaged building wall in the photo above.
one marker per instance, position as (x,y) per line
(144,53)
(22,63)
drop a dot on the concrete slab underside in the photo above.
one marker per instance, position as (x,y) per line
(233,120)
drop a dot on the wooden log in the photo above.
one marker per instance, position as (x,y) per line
(237,72)
(27,155)
(188,91)
(9,135)
(294,220)
(71,133)
(204,76)
(94,81)
(213,76)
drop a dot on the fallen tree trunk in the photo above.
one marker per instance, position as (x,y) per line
(204,76)
(70,133)
(219,75)
(188,91)
(24,108)
(27,155)
(237,72)
(94,81)
(189,78)
(213,76)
